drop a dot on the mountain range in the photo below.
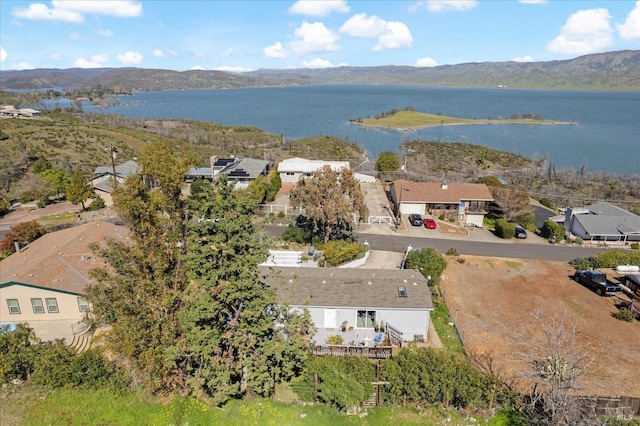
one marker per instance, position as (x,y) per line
(616,71)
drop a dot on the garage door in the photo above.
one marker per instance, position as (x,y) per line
(412,208)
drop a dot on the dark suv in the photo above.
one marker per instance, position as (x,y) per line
(415,219)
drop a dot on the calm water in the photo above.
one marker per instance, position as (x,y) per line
(606,138)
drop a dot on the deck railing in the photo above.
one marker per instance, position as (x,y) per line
(374,352)
(395,335)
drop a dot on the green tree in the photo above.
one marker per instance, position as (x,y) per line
(330,201)
(57,180)
(232,340)
(387,162)
(428,261)
(78,190)
(143,298)
(19,349)
(188,312)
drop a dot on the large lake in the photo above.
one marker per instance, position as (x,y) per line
(606,137)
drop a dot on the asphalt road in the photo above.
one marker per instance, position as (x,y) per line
(399,243)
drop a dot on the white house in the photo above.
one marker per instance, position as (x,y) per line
(292,169)
(43,284)
(361,299)
(602,222)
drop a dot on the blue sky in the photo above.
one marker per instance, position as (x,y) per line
(249,35)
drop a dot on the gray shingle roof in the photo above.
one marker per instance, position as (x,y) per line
(349,287)
(123,170)
(607,219)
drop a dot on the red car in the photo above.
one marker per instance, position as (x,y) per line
(429,223)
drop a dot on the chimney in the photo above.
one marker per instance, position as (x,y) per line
(17,245)
(444,185)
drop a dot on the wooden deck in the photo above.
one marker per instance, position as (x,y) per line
(377,352)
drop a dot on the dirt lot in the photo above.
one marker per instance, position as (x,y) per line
(494,299)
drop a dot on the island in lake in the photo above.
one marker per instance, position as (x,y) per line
(411,120)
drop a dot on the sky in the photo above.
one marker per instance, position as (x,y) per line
(243,35)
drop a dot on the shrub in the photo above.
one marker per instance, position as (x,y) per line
(24,232)
(504,229)
(280,215)
(551,230)
(295,234)
(547,203)
(578,241)
(335,339)
(452,251)
(337,252)
(441,217)
(428,261)
(97,204)
(4,207)
(613,258)
(635,246)
(527,221)
(624,314)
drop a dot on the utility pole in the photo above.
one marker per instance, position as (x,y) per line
(113,152)
(404,175)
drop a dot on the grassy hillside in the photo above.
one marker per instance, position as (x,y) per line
(74,140)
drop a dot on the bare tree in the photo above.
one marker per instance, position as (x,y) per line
(558,361)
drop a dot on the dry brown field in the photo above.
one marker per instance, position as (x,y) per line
(493,300)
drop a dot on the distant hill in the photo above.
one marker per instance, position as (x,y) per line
(602,71)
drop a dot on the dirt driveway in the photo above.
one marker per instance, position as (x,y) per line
(492,300)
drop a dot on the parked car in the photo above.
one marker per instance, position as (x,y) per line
(415,219)
(597,281)
(520,233)
(429,223)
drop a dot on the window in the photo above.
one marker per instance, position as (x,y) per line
(52,305)
(83,304)
(290,173)
(366,319)
(36,304)
(402,292)
(14,306)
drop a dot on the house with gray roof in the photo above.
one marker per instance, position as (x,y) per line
(102,180)
(241,171)
(359,299)
(603,222)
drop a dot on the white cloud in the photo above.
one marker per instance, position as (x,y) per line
(275,51)
(317,63)
(105,33)
(130,57)
(95,61)
(318,8)
(22,65)
(314,38)
(426,62)
(586,31)
(171,52)
(40,12)
(74,35)
(392,34)
(72,11)
(233,69)
(197,68)
(443,5)
(226,53)
(398,36)
(523,59)
(3,55)
(158,53)
(57,57)
(532,1)
(630,30)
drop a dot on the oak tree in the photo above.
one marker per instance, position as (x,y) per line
(330,201)
(78,189)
